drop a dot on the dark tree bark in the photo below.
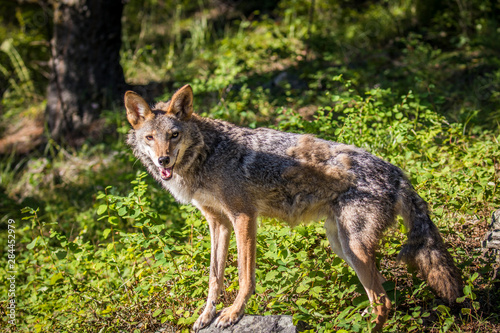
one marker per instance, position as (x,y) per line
(86,73)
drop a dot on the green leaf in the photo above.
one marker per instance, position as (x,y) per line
(102,209)
(315,291)
(155,289)
(122,211)
(31,245)
(467,290)
(271,275)
(442,308)
(157,312)
(61,254)
(466,311)
(56,277)
(105,233)
(302,287)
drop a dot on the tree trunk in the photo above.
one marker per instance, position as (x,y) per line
(86,73)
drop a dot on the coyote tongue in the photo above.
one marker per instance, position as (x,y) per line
(166,173)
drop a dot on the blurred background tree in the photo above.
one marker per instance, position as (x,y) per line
(86,75)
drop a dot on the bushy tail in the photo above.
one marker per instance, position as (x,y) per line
(425,249)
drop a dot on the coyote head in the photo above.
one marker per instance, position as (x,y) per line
(161,133)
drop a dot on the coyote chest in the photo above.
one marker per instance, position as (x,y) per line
(185,194)
(177,187)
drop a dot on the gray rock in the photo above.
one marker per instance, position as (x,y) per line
(491,242)
(257,324)
(492,238)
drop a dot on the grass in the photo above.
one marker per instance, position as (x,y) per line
(103,249)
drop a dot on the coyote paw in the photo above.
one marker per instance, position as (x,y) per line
(229,316)
(205,318)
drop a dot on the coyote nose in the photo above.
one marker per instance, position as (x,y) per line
(164,160)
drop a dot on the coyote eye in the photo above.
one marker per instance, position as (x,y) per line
(175,134)
(149,137)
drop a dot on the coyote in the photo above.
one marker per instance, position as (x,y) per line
(233,175)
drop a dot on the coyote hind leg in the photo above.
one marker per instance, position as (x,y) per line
(358,239)
(362,260)
(332,233)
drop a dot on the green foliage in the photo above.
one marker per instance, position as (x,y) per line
(24,52)
(76,284)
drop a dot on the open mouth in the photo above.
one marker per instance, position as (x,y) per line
(166,173)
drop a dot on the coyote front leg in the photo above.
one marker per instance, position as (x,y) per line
(245,228)
(220,231)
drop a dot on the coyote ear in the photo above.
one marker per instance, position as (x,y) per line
(137,109)
(181,104)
